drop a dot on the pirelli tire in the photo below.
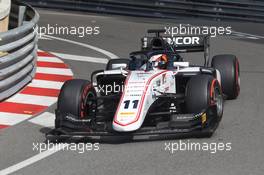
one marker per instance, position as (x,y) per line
(73,99)
(228,66)
(203,91)
(118,61)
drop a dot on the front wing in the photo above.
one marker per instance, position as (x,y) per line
(180,126)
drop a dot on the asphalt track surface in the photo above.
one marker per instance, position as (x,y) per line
(242,123)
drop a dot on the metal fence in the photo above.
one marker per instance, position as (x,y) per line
(18,48)
(242,10)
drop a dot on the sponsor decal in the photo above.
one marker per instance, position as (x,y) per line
(127,113)
(204,118)
(189,40)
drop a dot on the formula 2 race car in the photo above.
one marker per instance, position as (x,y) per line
(153,94)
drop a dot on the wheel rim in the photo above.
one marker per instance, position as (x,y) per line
(87,103)
(90,103)
(218,99)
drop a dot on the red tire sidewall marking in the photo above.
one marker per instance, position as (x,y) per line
(212,88)
(83,110)
(237,77)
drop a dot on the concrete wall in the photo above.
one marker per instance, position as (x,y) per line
(4,12)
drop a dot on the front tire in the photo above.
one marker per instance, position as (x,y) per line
(75,98)
(202,91)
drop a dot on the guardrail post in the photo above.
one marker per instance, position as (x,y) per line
(21,14)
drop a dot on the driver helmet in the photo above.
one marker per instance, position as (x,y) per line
(160,60)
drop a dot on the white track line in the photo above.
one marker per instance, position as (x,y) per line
(45,84)
(81,58)
(32,99)
(43,38)
(248,34)
(50,59)
(239,35)
(9,119)
(45,119)
(252,37)
(109,54)
(31,160)
(57,71)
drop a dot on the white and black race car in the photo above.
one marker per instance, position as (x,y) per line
(153,94)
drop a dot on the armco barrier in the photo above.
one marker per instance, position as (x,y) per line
(18,50)
(242,10)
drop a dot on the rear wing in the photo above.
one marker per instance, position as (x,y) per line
(180,44)
(198,43)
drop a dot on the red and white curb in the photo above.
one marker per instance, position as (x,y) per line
(38,95)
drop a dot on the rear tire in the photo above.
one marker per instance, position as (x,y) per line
(228,66)
(74,99)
